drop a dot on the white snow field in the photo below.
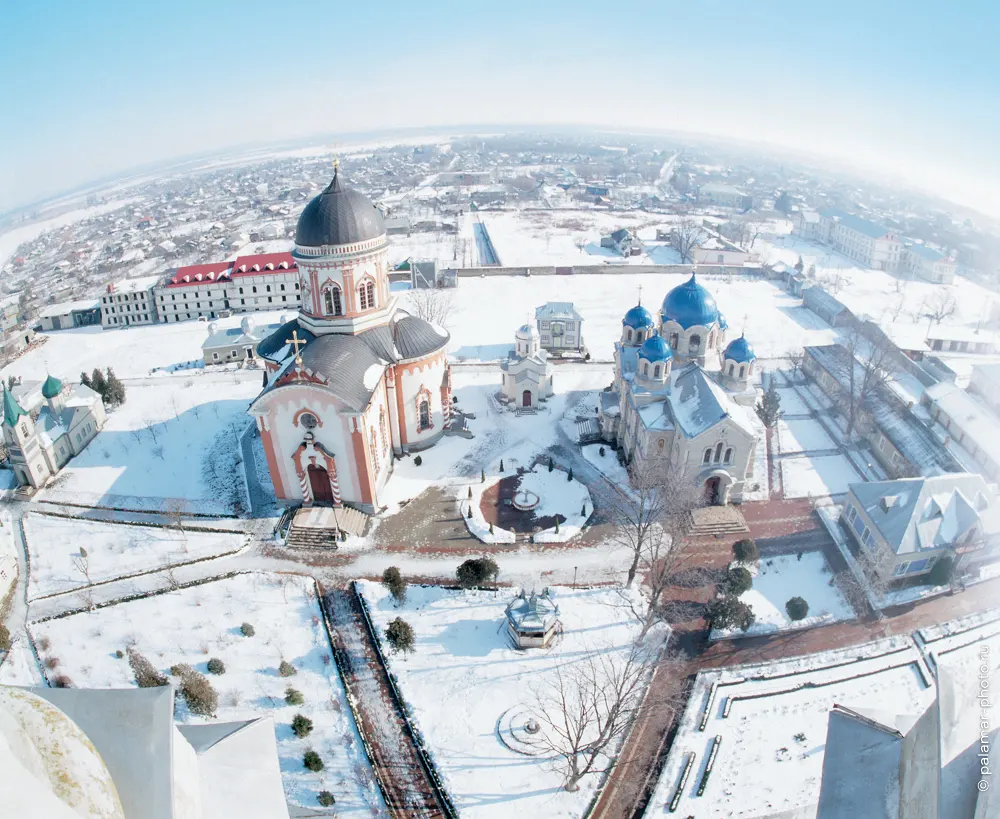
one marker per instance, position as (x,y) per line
(783,577)
(770,755)
(558,495)
(476,523)
(803,436)
(826,475)
(157,448)
(463,676)
(791,402)
(195,624)
(112,550)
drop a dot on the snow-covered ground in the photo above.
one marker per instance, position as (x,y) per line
(791,403)
(175,439)
(770,758)
(559,494)
(195,624)
(477,524)
(783,577)
(463,676)
(826,475)
(803,436)
(111,550)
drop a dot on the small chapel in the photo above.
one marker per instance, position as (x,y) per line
(354,381)
(666,403)
(526,375)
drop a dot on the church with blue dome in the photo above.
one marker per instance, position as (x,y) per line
(683,396)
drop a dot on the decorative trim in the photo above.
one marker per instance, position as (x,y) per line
(301,412)
(364,477)
(423,392)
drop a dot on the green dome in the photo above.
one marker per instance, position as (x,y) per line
(52,387)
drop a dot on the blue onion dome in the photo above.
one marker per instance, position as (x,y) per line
(690,304)
(638,318)
(740,351)
(655,348)
(723,324)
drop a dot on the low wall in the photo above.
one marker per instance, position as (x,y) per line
(604,269)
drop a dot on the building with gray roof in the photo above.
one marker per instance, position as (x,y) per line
(560,327)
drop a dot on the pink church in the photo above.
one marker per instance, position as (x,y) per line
(354,382)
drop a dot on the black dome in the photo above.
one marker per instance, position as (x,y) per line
(338,216)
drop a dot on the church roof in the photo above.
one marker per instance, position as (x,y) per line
(338,216)
(345,363)
(637,317)
(697,403)
(655,348)
(690,304)
(52,387)
(740,351)
(11,409)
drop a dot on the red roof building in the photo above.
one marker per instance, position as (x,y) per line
(263,263)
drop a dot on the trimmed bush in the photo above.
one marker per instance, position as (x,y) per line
(569,475)
(417,461)
(180,669)
(399,635)
(146,675)
(51,662)
(247,630)
(601,452)
(491,528)
(730,612)
(738,581)
(797,608)
(325,798)
(198,693)
(312,761)
(119,654)
(216,666)
(745,550)
(550,465)
(482,476)
(61,681)
(476,572)
(942,572)
(301,726)
(294,696)
(395,583)
(286,669)
(501,464)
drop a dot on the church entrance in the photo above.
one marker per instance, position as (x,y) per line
(712,491)
(319,481)
(526,398)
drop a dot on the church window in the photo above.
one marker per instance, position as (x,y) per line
(729,456)
(718,452)
(645,368)
(308,420)
(254,289)
(269,288)
(381,426)
(732,367)
(694,343)
(374,448)
(282,287)
(628,334)
(659,446)
(711,339)
(424,415)
(742,370)
(656,371)
(331,301)
(367,295)
(638,336)
(708,456)
(674,339)
(24,429)
(241,291)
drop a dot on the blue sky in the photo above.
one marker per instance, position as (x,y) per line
(96,88)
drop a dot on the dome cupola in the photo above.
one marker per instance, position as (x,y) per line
(338,216)
(638,318)
(51,388)
(690,305)
(740,350)
(655,349)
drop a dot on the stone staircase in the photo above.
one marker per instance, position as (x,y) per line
(716,521)
(319,527)
(588,430)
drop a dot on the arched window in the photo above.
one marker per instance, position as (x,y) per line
(366,294)
(269,288)
(732,367)
(381,427)
(708,456)
(659,446)
(711,339)
(718,452)
(750,369)
(742,369)
(674,340)
(424,411)
(331,301)
(374,448)
(645,368)
(694,343)
(729,456)
(656,371)
(638,336)
(628,334)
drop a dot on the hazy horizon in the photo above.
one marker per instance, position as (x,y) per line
(907,95)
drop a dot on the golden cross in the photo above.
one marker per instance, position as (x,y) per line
(296,342)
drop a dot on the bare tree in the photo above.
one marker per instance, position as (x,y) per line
(876,563)
(865,366)
(81,562)
(794,359)
(685,236)
(938,306)
(150,425)
(434,305)
(837,282)
(175,513)
(586,707)
(742,231)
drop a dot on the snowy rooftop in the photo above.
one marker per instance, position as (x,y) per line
(534,612)
(67,307)
(557,310)
(134,285)
(968,415)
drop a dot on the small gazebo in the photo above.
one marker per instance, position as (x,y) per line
(533,621)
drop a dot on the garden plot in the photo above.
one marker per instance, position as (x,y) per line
(174,443)
(110,550)
(769,760)
(195,624)
(463,676)
(783,577)
(817,477)
(803,436)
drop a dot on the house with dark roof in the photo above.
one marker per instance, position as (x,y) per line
(920,520)
(623,241)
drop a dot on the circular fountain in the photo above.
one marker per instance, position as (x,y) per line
(525,500)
